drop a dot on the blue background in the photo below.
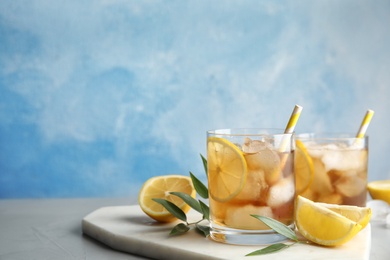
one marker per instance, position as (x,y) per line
(98,96)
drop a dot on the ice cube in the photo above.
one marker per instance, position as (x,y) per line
(357,145)
(321,182)
(240,216)
(268,161)
(253,146)
(350,185)
(334,146)
(314,150)
(344,160)
(335,175)
(282,192)
(254,190)
(333,198)
(380,209)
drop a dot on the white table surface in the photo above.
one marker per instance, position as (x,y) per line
(51,229)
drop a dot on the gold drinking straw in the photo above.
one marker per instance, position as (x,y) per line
(366,121)
(293,119)
(289,130)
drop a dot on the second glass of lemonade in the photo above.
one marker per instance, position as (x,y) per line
(339,162)
(250,172)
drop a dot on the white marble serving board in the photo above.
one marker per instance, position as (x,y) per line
(128,229)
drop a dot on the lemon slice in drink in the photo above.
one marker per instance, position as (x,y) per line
(304,170)
(158,188)
(360,215)
(227,169)
(322,225)
(380,190)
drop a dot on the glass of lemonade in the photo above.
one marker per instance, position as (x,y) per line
(250,172)
(340,163)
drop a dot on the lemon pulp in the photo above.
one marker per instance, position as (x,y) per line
(304,169)
(329,225)
(227,169)
(160,187)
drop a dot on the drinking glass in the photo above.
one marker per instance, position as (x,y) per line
(250,172)
(340,163)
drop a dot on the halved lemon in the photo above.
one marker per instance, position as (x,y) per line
(159,187)
(227,169)
(322,225)
(303,167)
(380,190)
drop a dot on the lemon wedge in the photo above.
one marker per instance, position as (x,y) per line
(303,167)
(329,225)
(360,215)
(159,187)
(227,169)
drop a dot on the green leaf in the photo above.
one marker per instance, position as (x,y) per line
(205,210)
(269,249)
(204,164)
(204,230)
(179,229)
(193,203)
(278,227)
(172,208)
(200,188)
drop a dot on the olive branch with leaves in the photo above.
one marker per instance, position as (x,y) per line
(203,209)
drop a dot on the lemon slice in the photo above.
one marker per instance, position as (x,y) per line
(304,169)
(360,215)
(322,225)
(380,190)
(227,169)
(159,188)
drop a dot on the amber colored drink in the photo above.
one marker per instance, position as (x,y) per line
(340,169)
(268,187)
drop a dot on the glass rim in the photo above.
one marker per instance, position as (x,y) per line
(329,136)
(255,131)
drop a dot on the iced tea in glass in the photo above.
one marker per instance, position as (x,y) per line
(340,164)
(250,171)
